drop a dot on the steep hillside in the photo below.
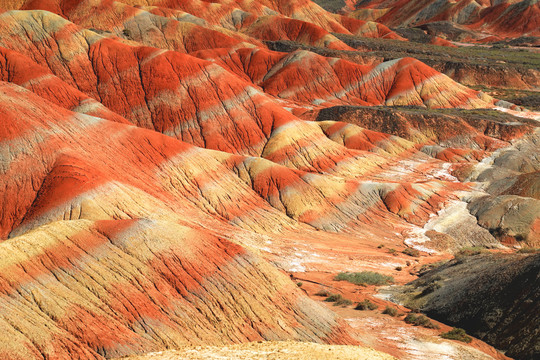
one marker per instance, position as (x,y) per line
(494,19)
(503,308)
(98,245)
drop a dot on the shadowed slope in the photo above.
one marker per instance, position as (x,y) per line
(503,309)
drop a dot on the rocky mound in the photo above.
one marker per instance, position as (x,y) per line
(493,297)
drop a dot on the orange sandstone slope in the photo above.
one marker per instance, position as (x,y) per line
(22,70)
(128,236)
(158,162)
(225,17)
(234,113)
(100,260)
(495,19)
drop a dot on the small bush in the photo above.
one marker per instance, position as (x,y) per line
(457,334)
(528,250)
(470,251)
(365,305)
(343,302)
(299,284)
(411,252)
(420,320)
(410,319)
(390,311)
(380,246)
(365,277)
(399,268)
(333,298)
(392,251)
(322,292)
(430,288)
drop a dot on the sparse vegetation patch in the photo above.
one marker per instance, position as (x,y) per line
(430,288)
(343,302)
(527,250)
(333,298)
(365,278)
(322,292)
(365,305)
(411,252)
(338,300)
(457,334)
(470,251)
(420,320)
(390,311)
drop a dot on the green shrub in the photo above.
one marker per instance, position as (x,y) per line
(365,278)
(338,300)
(411,252)
(390,311)
(470,251)
(343,302)
(410,319)
(457,334)
(527,250)
(365,305)
(392,251)
(333,298)
(299,284)
(420,320)
(399,268)
(322,292)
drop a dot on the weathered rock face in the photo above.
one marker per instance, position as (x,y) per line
(493,297)
(502,76)
(457,133)
(509,216)
(511,211)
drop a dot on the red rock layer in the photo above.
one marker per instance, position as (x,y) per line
(147,146)
(180,285)
(501,19)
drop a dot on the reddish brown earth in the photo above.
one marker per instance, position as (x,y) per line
(490,20)
(374,329)
(163,171)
